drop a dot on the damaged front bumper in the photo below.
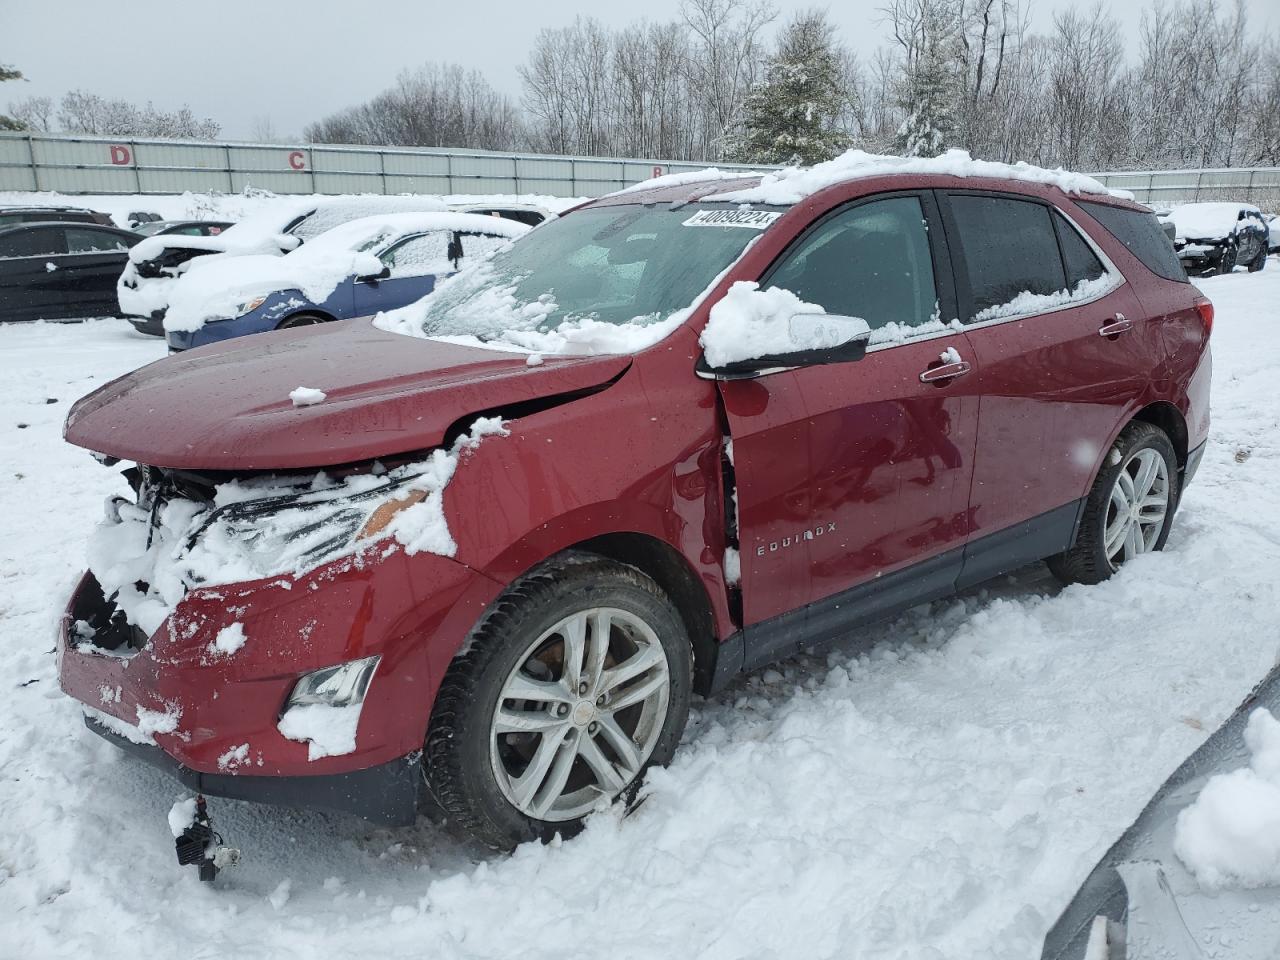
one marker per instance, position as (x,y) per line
(386,794)
(212,719)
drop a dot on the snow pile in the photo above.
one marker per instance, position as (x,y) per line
(306,396)
(327,730)
(1209,221)
(795,183)
(194,544)
(181,815)
(748,323)
(228,641)
(150,722)
(1027,302)
(1230,835)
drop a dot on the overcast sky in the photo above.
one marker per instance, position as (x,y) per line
(238,60)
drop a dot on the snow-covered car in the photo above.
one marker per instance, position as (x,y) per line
(526,213)
(1217,237)
(356,269)
(186,228)
(1199,866)
(60,270)
(1273,232)
(154,264)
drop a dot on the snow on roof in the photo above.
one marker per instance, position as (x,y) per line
(354,233)
(793,184)
(688,176)
(1208,221)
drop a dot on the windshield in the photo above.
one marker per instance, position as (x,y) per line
(620,265)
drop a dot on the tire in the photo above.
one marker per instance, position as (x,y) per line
(1096,555)
(482,742)
(1227,262)
(1260,261)
(300,320)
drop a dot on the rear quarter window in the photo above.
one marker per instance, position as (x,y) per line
(1142,234)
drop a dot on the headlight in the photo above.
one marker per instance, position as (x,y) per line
(253,304)
(342,686)
(292,534)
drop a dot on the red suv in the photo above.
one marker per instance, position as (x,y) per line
(483,560)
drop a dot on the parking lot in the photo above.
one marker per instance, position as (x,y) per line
(938,788)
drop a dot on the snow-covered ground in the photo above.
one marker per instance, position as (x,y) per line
(936,789)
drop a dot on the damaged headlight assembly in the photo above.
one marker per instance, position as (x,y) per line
(292,533)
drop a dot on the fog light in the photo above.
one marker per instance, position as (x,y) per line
(342,686)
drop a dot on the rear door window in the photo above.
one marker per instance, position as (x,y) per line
(83,240)
(1141,233)
(1078,258)
(39,242)
(1010,252)
(870,261)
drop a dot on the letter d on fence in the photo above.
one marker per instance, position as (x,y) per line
(120,156)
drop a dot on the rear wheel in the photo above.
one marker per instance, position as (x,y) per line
(575,682)
(300,320)
(1129,510)
(1259,261)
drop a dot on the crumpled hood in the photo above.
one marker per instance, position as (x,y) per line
(227,406)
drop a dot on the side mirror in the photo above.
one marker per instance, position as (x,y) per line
(382,274)
(818,338)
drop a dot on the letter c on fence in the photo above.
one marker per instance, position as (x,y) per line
(298,160)
(120,156)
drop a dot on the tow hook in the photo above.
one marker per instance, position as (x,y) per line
(196,842)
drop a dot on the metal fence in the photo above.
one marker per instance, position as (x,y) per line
(1258,185)
(70,164)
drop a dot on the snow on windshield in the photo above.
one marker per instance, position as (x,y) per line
(1208,221)
(795,183)
(612,279)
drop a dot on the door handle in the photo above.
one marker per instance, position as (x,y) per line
(1116,327)
(948,371)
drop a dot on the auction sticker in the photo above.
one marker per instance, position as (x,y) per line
(751,219)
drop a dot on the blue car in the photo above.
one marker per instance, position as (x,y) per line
(353,270)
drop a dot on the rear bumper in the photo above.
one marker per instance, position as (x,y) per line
(386,794)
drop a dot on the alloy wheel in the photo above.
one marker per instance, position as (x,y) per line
(580,714)
(1139,504)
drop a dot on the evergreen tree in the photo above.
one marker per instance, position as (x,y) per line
(792,116)
(8,123)
(929,96)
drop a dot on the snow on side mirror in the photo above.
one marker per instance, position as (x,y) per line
(751,332)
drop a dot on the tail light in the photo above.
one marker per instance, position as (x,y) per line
(1204,307)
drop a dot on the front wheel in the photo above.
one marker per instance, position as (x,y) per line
(1260,261)
(1130,507)
(300,320)
(572,685)
(1227,262)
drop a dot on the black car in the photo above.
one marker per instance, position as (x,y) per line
(11,215)
(182,228)
(1215,238)
(58,271)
